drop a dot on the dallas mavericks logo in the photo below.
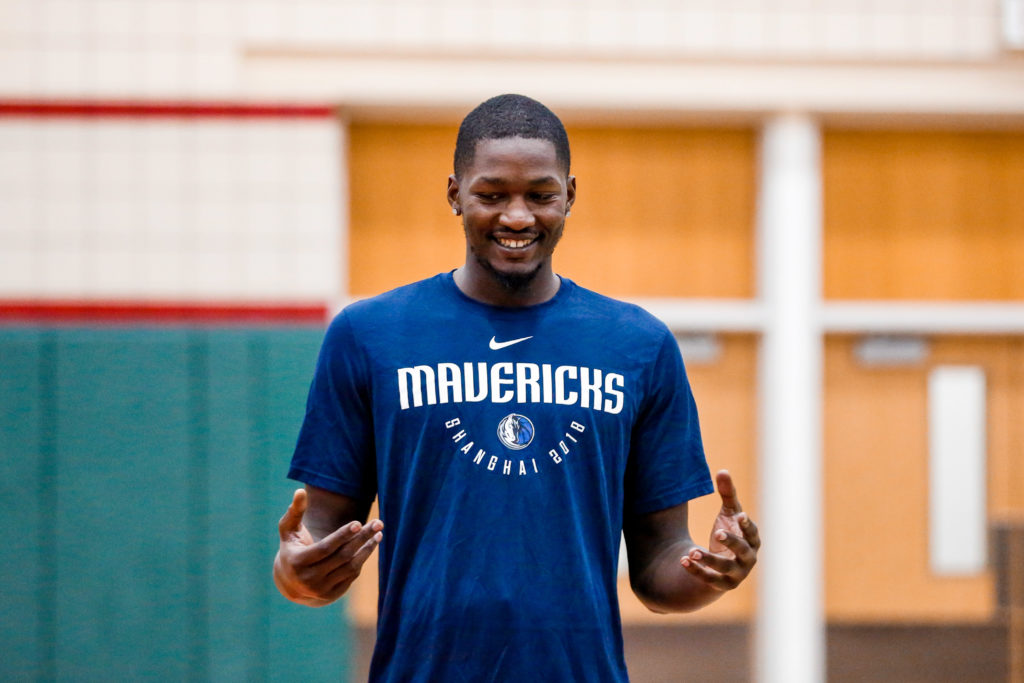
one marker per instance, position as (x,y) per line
(515,431)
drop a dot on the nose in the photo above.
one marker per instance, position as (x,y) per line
(517,215)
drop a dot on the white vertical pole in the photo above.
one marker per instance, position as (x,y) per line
(790,637)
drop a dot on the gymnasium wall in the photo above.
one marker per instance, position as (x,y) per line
(187,187)
(647,195)
(916,215)
(143,475)
(166,272)
(688,209)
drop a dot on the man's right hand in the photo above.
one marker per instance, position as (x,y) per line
(316,573)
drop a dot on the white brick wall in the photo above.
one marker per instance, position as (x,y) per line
(232,209)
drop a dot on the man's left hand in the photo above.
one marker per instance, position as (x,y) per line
(732,552)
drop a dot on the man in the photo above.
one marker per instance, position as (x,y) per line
(511,424)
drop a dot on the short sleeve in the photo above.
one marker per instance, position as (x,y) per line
(335,448)
(666,464)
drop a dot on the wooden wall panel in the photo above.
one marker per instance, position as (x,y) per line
(1004,365)
(401,227)
(876,481)
(923,215)
(660,212)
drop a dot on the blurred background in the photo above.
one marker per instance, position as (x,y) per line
(822,198)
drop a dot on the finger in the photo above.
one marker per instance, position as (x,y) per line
(706,574)
(291,521)
(354,553)
(727,490)
(743,553)
(338,547)
(331,543)
(750,532)
(363,553)
(342,576)
(719,563)
(321,573)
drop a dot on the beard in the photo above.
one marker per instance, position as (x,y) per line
(510,282)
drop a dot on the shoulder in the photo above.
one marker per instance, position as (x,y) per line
(396,304)
(379,326)
(627,318)
(412,293)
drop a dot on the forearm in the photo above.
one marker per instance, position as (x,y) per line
(671,573)
(664,586)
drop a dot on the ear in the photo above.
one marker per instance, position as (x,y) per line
(570,191)
(453,194)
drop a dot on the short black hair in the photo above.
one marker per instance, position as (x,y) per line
(509,116)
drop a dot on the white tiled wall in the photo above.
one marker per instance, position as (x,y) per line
(232,209)
(196,47)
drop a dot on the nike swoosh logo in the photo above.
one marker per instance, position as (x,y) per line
(497,345)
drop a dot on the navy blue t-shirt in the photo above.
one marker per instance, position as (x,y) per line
(505,445)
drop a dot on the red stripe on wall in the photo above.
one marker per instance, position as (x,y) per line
(163,312)
(182,109)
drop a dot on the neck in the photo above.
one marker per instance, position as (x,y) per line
(489,288)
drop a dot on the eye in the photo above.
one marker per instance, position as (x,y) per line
(488,197)
(543,197)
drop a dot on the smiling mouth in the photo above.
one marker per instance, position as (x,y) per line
(510,243)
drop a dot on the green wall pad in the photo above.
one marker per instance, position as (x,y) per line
(143,477)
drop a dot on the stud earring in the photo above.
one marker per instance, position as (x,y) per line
(568,213)
(455,211)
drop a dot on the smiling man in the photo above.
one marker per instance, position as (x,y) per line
(512,424)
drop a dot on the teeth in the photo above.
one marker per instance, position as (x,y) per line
(514,244)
